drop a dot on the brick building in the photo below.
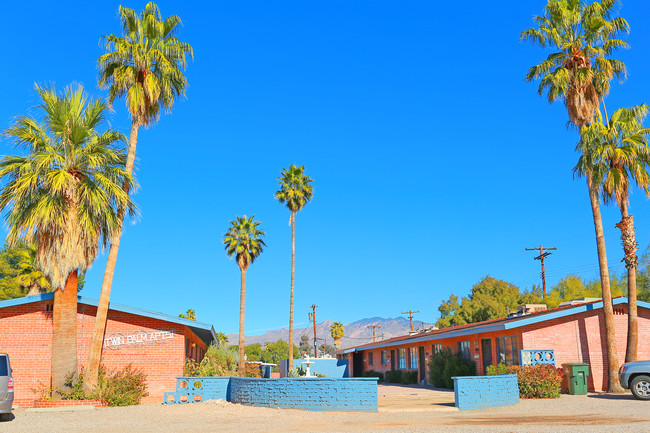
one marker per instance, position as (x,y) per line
(154,342)
(576,333)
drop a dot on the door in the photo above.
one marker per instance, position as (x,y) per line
(486,350)
(357,364)
(392,359)
(423,367)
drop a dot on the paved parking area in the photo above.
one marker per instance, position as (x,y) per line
(401,409)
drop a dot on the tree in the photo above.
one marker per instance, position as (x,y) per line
(295,192)
(253,352)
(63,197)
(244,241)
(276,352)
(189,315)
(305,347)
(222,339)
(573,287)
(622,157)
(579,73)
(337,330)
(145,65)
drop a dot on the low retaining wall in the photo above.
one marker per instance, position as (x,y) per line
(317,394)
(479,392)
(330,367)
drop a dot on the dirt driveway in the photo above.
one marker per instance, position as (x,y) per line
(401,409)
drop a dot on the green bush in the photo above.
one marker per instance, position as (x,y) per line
(493,370)
(409,377)
(537,381)
(219,360)
(393,376)
(444,365)
(373,373)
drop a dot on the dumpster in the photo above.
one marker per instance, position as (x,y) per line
(576,373)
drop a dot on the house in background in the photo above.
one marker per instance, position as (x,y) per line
(576,333)
(156,343)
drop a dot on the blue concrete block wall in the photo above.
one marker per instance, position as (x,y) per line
(479,392)
(330,367)
(357,394)
(207,388)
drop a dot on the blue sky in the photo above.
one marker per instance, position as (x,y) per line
(434,162)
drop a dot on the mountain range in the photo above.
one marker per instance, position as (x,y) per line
(356,333)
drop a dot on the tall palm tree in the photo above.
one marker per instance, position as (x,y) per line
(145,65)
(295,192)
(578,72)
(622,155)
(63,197)
(243,240)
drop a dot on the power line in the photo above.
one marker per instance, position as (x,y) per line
(541,257)
(374,327)
(410,313)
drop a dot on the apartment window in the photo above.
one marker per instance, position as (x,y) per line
(370,358)
(436,348)
(401,357)
(465,349)
(413,358)
(507,350)
(384,357)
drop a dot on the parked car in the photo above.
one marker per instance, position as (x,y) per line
(635,376)
(6,388)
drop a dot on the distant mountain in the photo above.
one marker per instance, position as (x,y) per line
(356,333)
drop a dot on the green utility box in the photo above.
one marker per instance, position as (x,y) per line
(576,373)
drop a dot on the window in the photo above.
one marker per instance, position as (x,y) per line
(436,348)
(370,358)
(507,350)
(4,371)
(413,357)
(384,359)
(465,349)
(401,356)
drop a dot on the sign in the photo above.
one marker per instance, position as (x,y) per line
(138,338)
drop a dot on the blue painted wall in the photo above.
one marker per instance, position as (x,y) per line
(330,367)
(208,388)
(479,392)
(357,394)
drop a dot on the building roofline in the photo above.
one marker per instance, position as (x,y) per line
(501,324)
(204,331)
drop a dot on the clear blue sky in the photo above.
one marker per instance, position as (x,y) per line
(434,162)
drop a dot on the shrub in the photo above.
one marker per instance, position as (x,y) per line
(409,377)
(124,387)
(393,376)
(253,370)
(219,360)
(493,370)
(444,365)
(537,381)
(373,373)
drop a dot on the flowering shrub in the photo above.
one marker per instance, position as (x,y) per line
(537,381)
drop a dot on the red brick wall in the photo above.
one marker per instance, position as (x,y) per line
(26,331)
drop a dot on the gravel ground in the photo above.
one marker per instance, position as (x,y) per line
(400,410)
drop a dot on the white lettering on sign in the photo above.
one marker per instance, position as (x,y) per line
(138,338)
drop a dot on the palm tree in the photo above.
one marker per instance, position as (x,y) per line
(243,240)
(63,197)
(622,155)
(337,330)
(295,192)
(145,65)
(579,72)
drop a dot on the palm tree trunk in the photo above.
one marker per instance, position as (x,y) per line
(97,344)
(613,384)
(293,271)
(631,261)
(64,334)
(242,301)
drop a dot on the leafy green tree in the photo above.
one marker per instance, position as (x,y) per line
(305,346)
(244,241)
(253,352)
(63,198)
(189,315)
(643,277)
(276,352)
(578,72)
(144,64)
(623,154)
(295,192)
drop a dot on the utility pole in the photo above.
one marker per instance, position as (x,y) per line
(410,313)
(541,257)
(373,330)
(312,317)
